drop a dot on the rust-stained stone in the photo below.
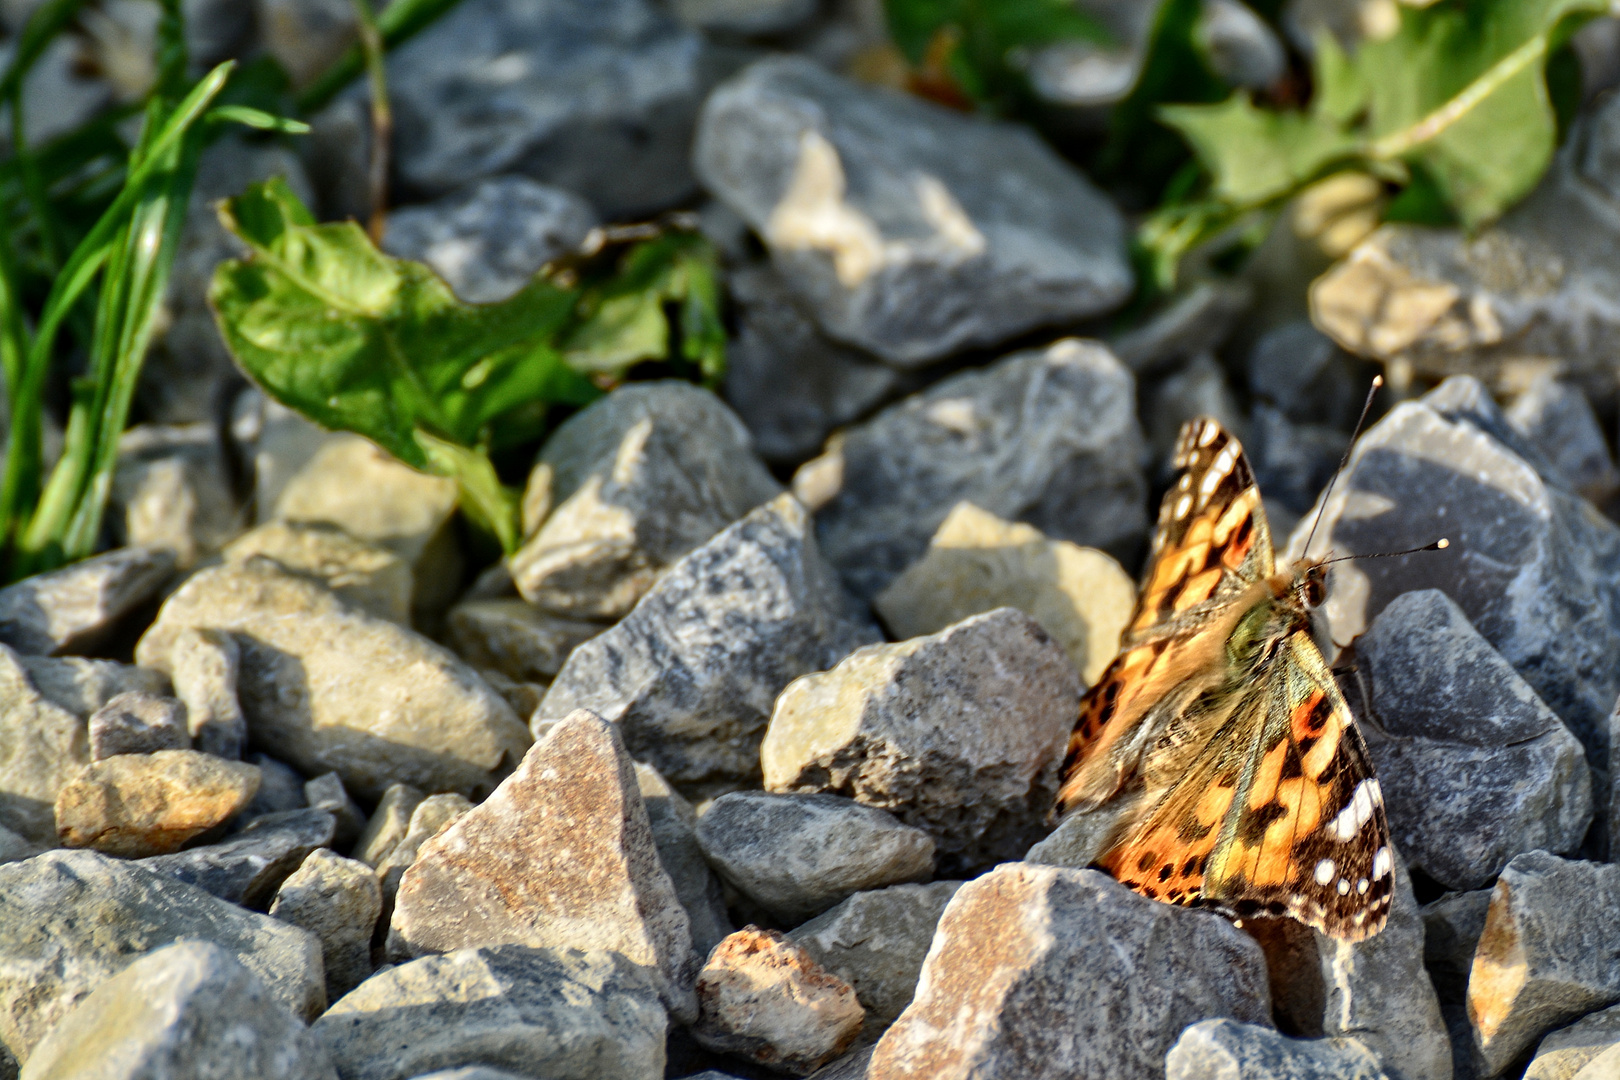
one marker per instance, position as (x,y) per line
(764,998)
(149,804)
(560,856)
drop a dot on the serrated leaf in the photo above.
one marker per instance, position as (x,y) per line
(1258,154)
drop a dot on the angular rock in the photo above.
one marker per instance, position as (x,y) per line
(326,792)
(559,856)
(328,687)
(281,788)
(515,638)
(82,686)
(70,609)
(1566,1052)
(1195,322)
(1292,463)
(138,723)
(1557,419)
(854,1065)
(998,996)
(429,818)
(14,848)
(70,920)
(789,383)
(489,239)
(388,824)
(523,697)
(1475,768)
(471,1072)
(1606,1066)
(338,900)
(870,201)
(172,491)
(1299,371)
(1048,437)
(1529,564)
(578,1015)
(638,479)
(977,562)
(1546,955)
(744,16)
(189,1009)
(1451,929)
(1225,1048)
(876,941)
(204,665)
(597,97)
(368,576)
(248,868)
(149,804)
(1199,387)
(959,734)
(762,997)
(690,675)
(674,830)
(798,855)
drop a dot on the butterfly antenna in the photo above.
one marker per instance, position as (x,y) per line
(1437,545)
(1366,407)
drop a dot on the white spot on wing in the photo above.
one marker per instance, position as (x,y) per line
(1325,871)
(1207,436)
(1343,886)
(1381,863)
(1183,506)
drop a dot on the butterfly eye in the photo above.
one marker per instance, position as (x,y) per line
(1313,589)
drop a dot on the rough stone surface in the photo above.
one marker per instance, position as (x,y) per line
(69,920)
(326,792)
(204,665)
(138,723)
(338,900)
(365,575)
(674,829)
(488,240)
(1451,929)
(150,804)
(1546,955)
(172,491)
(281,788)
(798,855)
(388,823)
(789,383)
(959,733)
(560,856)
(691,674)
(578,1015)
(638,479)
(1557,419)
(597,97)
(976,562)
(998,996)
(908,230)
(764,998)
(1475,768)
(1225,1049)
(429,818)
(189,1009)
(1048,437)
(1565,1052)
(69,609)
(876,941)
(248,868)
(515,638)
(1532,566)
(744,16)
(328,687)
(14,848)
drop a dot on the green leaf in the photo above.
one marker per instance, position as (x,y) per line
(1258,154)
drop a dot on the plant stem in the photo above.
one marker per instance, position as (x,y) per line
(399,21)
(382,118)
(1398,143)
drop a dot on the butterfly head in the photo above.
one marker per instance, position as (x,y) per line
(1310,585)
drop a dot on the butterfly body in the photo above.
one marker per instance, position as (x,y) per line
(1241,779)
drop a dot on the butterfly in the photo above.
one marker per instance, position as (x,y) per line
(1241,780)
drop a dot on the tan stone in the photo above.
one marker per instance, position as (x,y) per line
(764,998)
(388,824)
(515,638)
(135,805)
(431,817)
(367,575)
(977,562)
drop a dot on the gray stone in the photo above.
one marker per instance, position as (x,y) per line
(1087,76)
(1239,46)
(1474,767)
(204,665)
(1196,321)
(1565,1052)
(690,675)
(790,383)
(471,1072)
(429,817)
(305,36)
(877,941)
(907,229)
(1451,929)
(577,1015)
(639,479)
(1531,565)
(798,855)
(138,723)
(70,609)
(186,1010)
(172,491)
(281,788)
(248,868)
(488,240)
(1292,463)
(959,734)
(854,1065)
(1557,419)
(14,848)
(338,900)
(515,638)
(597,96)
(1198,388)
(1229,1050)
(150,804)
(560,856)
(367,575)
(744,16)
(82,686)
(674,829)
(70,920)
(328,687)
(326,792)
(999,996)
(1047,436)
(1546,956)
(1299,371)
(765,999)
(388,824)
